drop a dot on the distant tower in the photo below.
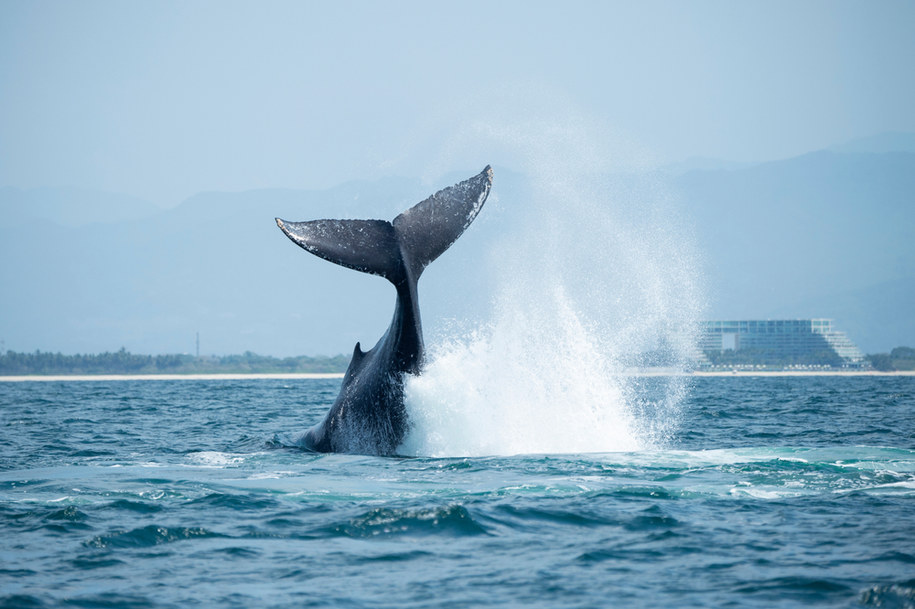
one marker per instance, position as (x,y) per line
(198,344)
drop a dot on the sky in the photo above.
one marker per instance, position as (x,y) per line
(147,104)
(161,100)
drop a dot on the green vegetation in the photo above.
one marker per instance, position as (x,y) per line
(773,358)
(900,358)
(124,362)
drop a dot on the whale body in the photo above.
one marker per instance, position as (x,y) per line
(368,416)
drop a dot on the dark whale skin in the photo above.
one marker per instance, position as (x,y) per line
(368,416)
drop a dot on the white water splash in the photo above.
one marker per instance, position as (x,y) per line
(593,270)
(498,392)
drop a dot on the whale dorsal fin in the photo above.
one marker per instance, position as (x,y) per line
(429,228)
(415,238)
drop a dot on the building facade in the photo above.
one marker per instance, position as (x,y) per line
(801,343)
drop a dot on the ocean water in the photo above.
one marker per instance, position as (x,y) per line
(770,492)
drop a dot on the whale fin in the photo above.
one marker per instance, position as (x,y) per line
(354,363)
(415,238)
(358,354)
(430,227)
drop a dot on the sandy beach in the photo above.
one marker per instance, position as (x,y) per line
(804,373)
(174,377)
(339,375)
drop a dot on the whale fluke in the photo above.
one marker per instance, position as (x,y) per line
(369,415)
(413,240)
(430,227)
(369,246)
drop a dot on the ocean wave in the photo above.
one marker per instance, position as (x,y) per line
(148,536)
(453,520)
(890,596)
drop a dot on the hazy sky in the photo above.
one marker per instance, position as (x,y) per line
(163,99)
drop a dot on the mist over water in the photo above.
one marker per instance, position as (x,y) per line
(593,269)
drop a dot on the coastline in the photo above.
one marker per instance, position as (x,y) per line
(803,373)
(175,377)
(339,375)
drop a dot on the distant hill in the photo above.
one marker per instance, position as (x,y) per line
(69,207)
(877,316)
(825,234)
(217,264)
(698,163)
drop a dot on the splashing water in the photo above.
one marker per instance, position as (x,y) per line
(499,391)
(593,270)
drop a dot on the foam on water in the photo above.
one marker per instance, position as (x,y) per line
(211,458)
(591,270)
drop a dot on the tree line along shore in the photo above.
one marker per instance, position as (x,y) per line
(40,363)
(899,359)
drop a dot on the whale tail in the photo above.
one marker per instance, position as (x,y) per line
(400,249)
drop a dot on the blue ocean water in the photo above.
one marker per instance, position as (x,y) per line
(771,492)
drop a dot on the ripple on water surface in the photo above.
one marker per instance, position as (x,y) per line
(168,515)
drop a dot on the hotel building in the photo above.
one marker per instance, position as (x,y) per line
(777,343)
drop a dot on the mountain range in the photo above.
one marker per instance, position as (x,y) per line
(826,234)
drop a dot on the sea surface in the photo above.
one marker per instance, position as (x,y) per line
(770,492)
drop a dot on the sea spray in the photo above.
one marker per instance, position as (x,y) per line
(594,275)
(498,391)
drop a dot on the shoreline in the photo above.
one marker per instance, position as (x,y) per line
(339,375)
(173,377)
(732,373)
(802,373)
